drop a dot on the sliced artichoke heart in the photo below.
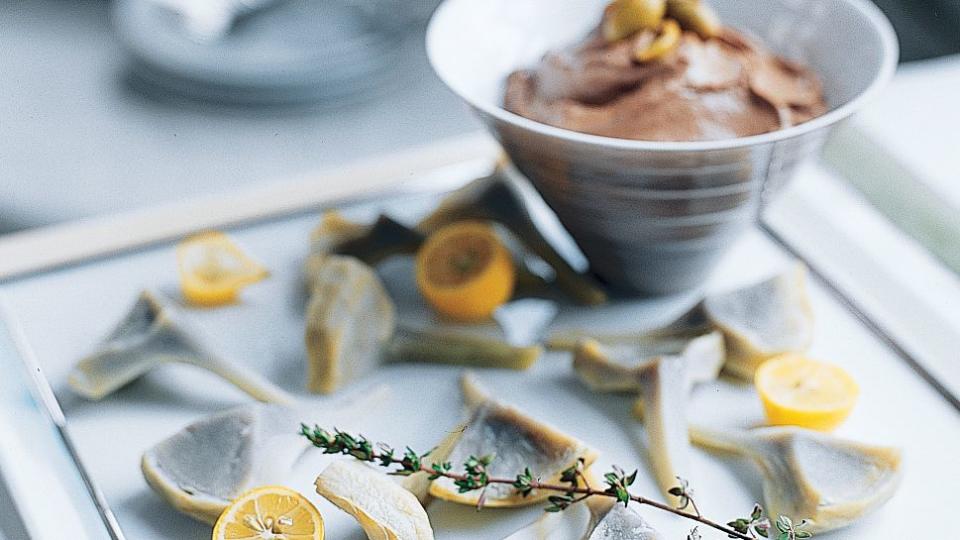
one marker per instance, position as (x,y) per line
(515,441)
(663,384)
(201,468)
(593,519)
(383,509)
(350,319)
(151,334)
(622,368)
(829,481)
(760,321)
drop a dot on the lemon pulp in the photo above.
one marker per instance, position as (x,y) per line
(465,272)
(270,512)
(213,269)
(796,390)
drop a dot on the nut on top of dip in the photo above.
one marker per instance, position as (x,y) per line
(666,70)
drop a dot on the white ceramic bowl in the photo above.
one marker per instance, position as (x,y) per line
(606,191)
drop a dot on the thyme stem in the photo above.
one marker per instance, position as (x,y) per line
(476,478)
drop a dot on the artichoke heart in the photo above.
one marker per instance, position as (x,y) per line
(382,508)
(351,329)
(434,346)
(151,334)
(200,469)
(663,383)
(624,368)
(829,481)
(371,243)
(350,318)
(593,519)
(760,321)
(515,441)
(333,231)
(664,396)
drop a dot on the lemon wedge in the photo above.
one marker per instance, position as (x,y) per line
(213,269)
(798,391)
(465,272)
(384,509)
(624,18)
(272,512)
(667,40)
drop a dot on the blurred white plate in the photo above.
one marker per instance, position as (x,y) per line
(294,51)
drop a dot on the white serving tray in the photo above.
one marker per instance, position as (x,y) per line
(65,311)
(38,461)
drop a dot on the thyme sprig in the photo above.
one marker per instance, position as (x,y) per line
(757,525)
(685,495)
(573,487)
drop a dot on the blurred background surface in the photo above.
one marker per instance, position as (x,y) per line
(81,135)
(107,107)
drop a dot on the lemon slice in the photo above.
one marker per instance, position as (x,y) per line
(273,512)
(213,269)
(667,40)
(796,390)
(465,272)
(384,509)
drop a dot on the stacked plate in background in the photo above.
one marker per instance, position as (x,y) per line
(290,52)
